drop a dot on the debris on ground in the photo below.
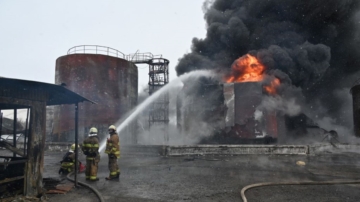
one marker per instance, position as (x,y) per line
(300,163)
(57,186)
(24,199)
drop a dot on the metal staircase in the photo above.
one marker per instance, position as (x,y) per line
(158,77)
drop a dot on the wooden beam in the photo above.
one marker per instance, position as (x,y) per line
(11,179)
(8,146)
(35,150)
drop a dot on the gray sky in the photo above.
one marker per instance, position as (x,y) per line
(35,33)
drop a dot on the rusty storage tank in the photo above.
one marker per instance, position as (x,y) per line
(355,91)
(243,116)
(104,76)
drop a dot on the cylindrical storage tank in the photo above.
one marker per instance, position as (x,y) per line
(355,91)
(111,82)
(246,120)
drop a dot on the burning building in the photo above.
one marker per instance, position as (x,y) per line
(234,107)
(244,91)
(302,44)
(244,119)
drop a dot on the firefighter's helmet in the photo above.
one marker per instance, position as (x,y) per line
(72,148)
(93,131)
(112,127)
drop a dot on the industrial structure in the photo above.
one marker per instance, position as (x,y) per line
(103,75)
(355,91)
(200,108)
(109,78)
(23,169)
(229,111)
(244,118)
(158,77)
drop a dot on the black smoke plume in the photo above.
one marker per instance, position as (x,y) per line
(316,43)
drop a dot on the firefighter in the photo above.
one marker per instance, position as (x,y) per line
(113,151)
(68,161)
(90,148)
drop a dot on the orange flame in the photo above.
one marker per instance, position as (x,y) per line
(249,69)
(246,69)
(271,89)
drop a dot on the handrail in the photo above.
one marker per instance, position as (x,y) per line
(104,50)
(141,57)
(96,49)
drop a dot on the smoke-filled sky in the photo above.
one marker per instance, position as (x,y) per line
(315,42)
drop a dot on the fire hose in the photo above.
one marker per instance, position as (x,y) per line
(96,192)
(243,190)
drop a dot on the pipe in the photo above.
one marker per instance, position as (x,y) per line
(243,190)
(96,192)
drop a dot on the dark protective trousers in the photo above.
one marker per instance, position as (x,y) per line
(113,166)
(92,167)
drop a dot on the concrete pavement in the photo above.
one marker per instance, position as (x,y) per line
(149,177)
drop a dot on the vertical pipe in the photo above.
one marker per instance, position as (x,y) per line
(14,137)
(76,143)
(26,130)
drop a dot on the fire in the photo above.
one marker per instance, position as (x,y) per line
(246,69)
(249,69)
(271,88)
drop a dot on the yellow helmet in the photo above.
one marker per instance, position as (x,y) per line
(93,130)
(72,148)
(112,127)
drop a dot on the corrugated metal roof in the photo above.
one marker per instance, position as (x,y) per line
(33,90)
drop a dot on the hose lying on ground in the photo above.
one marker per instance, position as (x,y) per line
(97,193)
(243,190)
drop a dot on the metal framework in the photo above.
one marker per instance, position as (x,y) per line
(158,77)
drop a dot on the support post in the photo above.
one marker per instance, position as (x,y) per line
(26,130)
(33,181)
(14,126)
(76,143)
(1,117)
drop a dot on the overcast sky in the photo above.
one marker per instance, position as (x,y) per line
(33,34)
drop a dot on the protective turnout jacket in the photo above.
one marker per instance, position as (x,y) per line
(68,162)
(113,145)
(90,146)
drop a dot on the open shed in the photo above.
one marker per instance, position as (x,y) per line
(34,96)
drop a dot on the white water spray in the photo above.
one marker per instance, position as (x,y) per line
(121,125)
